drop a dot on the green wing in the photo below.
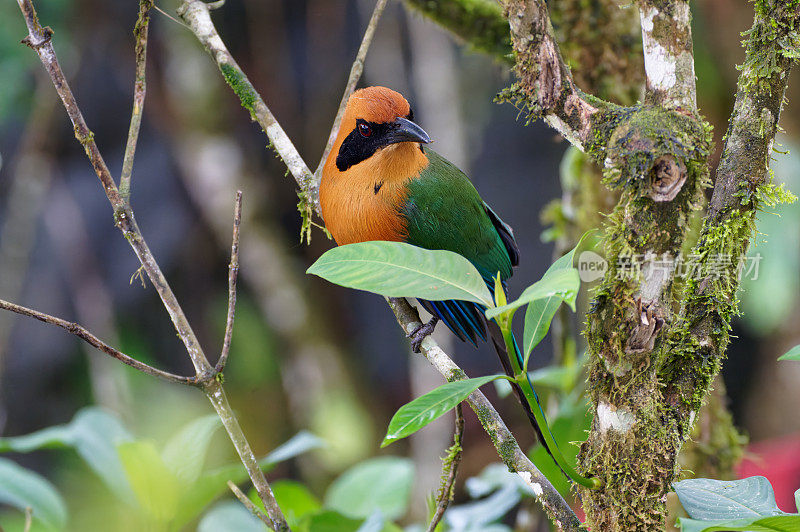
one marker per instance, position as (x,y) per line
(444,211)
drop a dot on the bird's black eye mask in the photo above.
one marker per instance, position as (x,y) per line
(365,139)
(368,137)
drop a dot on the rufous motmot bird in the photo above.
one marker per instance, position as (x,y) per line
(380,182)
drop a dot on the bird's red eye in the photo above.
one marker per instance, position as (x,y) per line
(365,130)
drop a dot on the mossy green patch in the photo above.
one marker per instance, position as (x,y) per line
(773,40)
(241,87)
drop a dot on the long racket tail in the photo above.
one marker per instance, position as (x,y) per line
(502,353)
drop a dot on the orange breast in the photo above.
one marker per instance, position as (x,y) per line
(361,203)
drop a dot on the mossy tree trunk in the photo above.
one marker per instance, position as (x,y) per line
(656,340)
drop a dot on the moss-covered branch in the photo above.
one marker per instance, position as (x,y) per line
(695,350)
(479,23)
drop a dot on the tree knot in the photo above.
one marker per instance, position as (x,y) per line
(645,331)
(45,35)
(666,178)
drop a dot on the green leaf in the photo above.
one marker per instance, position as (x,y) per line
(797,500)
(230,516)
(561,283)
(414,415)
(540,312)
(538,317)
(329,521)
(294,499)
(708,499)
(300,443)
(396,269)
(94,434)
(559,377)
(185,453)
(382,484)
(22,488)
(211,484)
(792,354)
(156,487)
(780,523)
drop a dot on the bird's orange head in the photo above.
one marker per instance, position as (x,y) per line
(375,118)
(377,152)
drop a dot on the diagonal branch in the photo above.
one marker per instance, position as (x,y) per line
(198,17)
(233,272)
(743,186)
(139,89)
(545,80)
(82,333)
(255,510)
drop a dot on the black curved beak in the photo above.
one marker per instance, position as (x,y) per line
(403,130)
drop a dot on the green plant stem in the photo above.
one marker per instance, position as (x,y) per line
(521,378)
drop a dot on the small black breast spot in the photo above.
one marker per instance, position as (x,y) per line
(378,186)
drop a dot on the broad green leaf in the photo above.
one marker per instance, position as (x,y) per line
(185,453)
(211,484)
(538,317)
(156,487)
(561,283)
(708,499)
(780,523)
(294,499)
(792,354)
(382,484)
(300,443)
(540,312)
(230,516)
(414,415)
(559,377)
(396,269)
(22,488)
(94,434)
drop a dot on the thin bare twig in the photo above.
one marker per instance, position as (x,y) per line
(244,499)
(233,272)
(139,90)
(451,466)
(355,74)
(28,519)
(39,39)
(82,333)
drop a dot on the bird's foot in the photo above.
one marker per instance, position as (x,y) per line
(421,332)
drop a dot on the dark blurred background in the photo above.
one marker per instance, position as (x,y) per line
(306,354)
